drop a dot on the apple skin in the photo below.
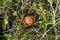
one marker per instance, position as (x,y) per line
(28,20)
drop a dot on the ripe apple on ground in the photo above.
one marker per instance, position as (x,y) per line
(28,20)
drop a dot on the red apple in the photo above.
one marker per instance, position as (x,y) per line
(28,20)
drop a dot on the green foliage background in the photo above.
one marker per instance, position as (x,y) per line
(45,27)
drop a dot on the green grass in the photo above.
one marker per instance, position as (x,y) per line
(45,12)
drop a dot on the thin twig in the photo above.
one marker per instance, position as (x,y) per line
(49,30)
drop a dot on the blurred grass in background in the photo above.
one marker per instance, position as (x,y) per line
(45,27)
